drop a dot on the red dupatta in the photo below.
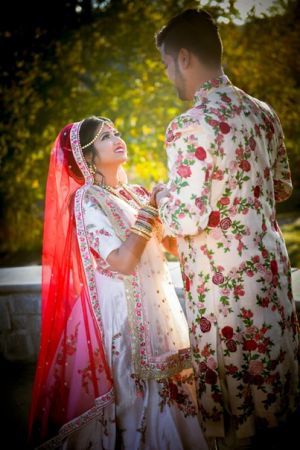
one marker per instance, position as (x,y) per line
(73,380)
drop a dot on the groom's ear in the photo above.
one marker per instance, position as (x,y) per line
(184,58)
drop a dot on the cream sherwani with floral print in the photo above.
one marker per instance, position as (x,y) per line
(227,168)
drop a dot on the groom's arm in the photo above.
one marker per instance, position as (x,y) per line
(186,210)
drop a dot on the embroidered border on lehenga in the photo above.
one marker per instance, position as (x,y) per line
(145,366)
(75,424)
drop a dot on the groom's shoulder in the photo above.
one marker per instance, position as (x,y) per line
(256,102)
(187,119)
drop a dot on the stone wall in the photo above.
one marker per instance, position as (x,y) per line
(20,325)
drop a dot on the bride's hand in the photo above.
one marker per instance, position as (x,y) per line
(158,188)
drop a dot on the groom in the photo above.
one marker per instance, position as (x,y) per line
(227,168)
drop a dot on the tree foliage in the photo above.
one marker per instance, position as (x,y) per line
(102,60)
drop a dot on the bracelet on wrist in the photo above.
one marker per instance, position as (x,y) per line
(140,233)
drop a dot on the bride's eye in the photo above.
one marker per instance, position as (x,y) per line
(105,136)
(117,134)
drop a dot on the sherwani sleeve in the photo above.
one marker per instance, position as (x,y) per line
(186,211)
(281,171)
(101,235)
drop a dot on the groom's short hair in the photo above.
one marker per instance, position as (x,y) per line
(194,30)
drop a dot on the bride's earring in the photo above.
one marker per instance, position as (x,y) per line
(92,168)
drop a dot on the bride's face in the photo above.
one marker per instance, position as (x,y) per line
(110,147)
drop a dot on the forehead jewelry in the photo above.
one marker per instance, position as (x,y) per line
(93,140)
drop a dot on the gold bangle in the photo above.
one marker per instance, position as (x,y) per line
(139,233)
(150,209)
(141,230)
(143,224)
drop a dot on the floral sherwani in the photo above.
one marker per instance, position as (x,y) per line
(227,168)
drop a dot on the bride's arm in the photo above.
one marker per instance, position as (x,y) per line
(125,258)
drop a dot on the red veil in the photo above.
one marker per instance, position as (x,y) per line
(73,381)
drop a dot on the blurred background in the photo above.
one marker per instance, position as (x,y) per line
(64,60)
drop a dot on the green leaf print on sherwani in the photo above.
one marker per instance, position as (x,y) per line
(227,168)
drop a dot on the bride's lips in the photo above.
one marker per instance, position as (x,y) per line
(120,150)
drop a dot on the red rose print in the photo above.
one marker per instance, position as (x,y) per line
(264,253)
(205,325)
(258,380)
(252,143)
(187,282)
(231,345)
(247,378)
(225,223)
(184,171)
(256,191)
(227,332)
(274,267)
(199,202)
(214,219)
(217,397)
(263,227)
(218,278)
(210,377)
(215,82)
(200,153)
(213,122)
(203,366)
(245,165)
(257,130)
(170,136)
(173,389)
(177,136)
(225,98)
(267,173)
(247,314)
(225,201)
(262,348)
(275,280)
(255,259)
(249,345)
(239,291)
(231,369)
(224,127)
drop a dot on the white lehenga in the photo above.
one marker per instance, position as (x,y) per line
(152,411)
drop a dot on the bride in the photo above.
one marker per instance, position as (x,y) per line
(114,366)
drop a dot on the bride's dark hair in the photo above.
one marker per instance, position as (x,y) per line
(87,132)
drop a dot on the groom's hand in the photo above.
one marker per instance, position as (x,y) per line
(158,188)
(162,194)
(158,192)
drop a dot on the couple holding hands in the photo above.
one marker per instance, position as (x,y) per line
(121,365)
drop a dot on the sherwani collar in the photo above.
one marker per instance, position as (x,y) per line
(210,85)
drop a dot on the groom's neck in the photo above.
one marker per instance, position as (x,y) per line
(200,76)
